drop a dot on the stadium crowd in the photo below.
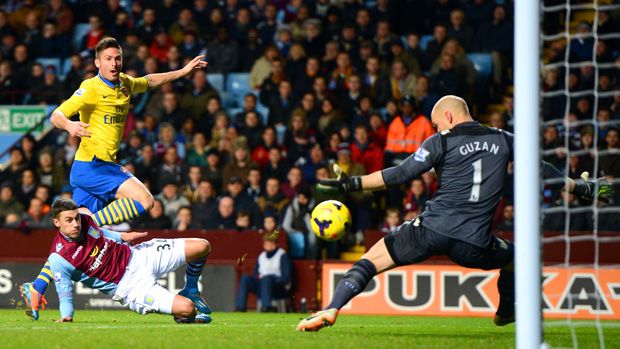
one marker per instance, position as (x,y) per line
(344,82)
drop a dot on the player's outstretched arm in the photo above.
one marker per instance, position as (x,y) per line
(583,187)
(156,80)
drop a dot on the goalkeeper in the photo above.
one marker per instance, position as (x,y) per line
(470,161)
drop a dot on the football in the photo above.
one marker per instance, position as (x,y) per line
(330,220)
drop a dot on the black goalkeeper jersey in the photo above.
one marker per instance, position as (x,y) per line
(471,162)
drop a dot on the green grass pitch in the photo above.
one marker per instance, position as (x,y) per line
(125,329)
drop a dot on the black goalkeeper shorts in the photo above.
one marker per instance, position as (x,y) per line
(413,243)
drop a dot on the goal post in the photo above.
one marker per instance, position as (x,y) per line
(527,174)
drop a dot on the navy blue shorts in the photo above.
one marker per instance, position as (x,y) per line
(95,182)
(413,244)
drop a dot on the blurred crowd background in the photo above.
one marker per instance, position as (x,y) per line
(291,88)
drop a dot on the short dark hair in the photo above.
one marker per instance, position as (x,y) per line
(106,43)
(62,205)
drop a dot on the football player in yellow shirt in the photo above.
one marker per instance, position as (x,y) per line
(102,186)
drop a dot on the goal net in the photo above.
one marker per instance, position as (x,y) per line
(580,111)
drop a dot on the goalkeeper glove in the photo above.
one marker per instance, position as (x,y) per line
(591,189)
(343,182)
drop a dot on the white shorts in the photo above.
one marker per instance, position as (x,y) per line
(149,261)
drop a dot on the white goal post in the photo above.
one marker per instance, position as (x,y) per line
(527,174)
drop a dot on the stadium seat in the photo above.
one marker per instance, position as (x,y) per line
(54,62)
(238,83)
(217,81)
(78,33)
(483,62)
(424,40)
(296,244)
(66,67)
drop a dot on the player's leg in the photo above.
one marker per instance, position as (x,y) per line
(499,255)
(196,253)
(375,261)
(128,197)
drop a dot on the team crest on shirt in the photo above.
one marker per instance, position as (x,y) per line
(59,247)
(94,232)
(148,300)
(79,92)
(421,154)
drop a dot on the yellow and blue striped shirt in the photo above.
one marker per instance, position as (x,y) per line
(104,106)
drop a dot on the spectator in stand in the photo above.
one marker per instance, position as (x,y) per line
(9,204)
(297,221)
(295,62)
(129,150)
(223,53)
(192,180)
(195,100)
(17,166)
(297,138)
(60,14)
(268,25)
(167,139)
(273,201)
(172,199)
(309,164)
(269,85)
(94,34)
(496,37)
(406,132)
(365,152)
(184,220)
(465,70)
(240,164)
(553,151)
(169,111)
(308,106)
(155,218)
(184,23)
(27,186)
(391,220)
(294,182)
(424,98)
(160,46)
(213,170)
(434,47)
(49,172)
(401,81)
(253,188)
(329,117)
(252,129)
(243,202)
(305,79)
(416,198)
(36,217)
(204,203)
(249,105)
(225,217)
(446,80)
(147,166)
(340,74)
(170,169)
(208,118)
(21,68)
(610,160)
(197,153)
(376,84)
(377,129)
(458,29)
(52,44)
(260,153)
(281,105)
(262,67)
(75,75)
(350,98)
(398,52)
(271,278)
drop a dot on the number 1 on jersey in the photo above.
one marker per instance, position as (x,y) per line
(475,189)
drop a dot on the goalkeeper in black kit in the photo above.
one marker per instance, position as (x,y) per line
(470,161)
